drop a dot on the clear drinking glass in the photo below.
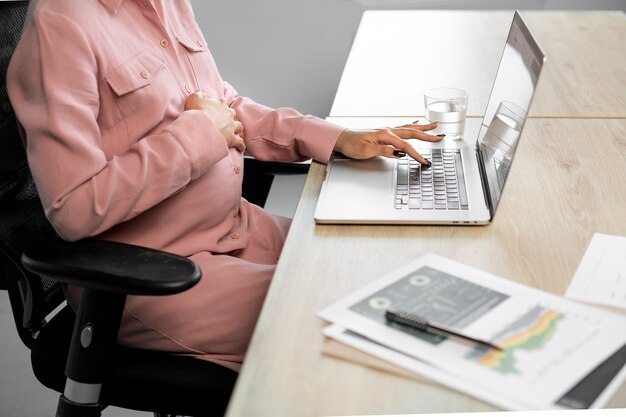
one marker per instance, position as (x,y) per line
(448,106)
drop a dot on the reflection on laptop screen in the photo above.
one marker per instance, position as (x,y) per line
(508,105)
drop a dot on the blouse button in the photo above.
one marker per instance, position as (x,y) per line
(144,74)
(164,43)
(234,236)
(276,259)
(188,89)
(237,169)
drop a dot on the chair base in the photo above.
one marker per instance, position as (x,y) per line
(139,379)
(67,408)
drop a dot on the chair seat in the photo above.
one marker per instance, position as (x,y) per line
(139,379)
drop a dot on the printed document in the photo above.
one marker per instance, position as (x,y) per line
(553,349)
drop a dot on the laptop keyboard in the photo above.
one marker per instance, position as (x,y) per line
(439,187)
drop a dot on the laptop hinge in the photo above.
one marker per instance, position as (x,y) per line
(483,180)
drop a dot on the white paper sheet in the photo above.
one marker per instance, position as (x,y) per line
(427,370)
(601,274)
(550,343)
(419,367)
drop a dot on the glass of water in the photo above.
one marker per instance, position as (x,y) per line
(447,106)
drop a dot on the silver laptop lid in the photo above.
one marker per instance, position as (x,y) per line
(507,109)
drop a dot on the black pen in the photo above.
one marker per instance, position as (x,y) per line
(416,322)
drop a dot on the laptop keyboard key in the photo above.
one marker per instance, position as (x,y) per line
(440,187)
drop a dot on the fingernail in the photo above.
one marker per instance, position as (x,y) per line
(399,154)
(442,135)
(429,164)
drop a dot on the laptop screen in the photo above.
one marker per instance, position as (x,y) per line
(508,106)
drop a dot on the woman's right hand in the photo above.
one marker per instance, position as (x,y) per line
(222,116)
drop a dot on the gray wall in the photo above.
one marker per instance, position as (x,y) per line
(291,52)
(281,52)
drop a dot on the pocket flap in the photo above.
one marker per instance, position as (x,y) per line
(134,73)
(192,39)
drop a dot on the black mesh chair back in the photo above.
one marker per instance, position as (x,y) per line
(22,219)
(138,379)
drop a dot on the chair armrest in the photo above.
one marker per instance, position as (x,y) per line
(252,165)
(111,266)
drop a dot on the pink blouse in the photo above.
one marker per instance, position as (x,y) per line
(100,88)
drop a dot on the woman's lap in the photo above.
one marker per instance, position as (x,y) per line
(215,319)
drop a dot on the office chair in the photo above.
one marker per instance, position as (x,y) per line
(259,176)
(75,353)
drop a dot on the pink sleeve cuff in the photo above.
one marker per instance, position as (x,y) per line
(200,139)
(316,138)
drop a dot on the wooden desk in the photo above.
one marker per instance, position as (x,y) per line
(395,57)
(567,183)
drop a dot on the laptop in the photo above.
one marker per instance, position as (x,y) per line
(465,182)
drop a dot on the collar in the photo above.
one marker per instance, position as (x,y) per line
(112,5)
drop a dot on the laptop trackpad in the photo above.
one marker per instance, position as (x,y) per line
(361,183)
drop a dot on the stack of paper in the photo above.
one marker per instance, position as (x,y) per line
(556,353)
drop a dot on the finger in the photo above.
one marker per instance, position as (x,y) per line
(239,144)
(424,128)
(406,133)
(196,100)
(416,155)
(193,101)
(238,127)
(416,125)
(391,152)
(386,151)
(390,138)
(200,94)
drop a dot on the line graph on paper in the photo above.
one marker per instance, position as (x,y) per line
(528,345)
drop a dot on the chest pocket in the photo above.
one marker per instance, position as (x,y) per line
(201,61)
(192,39)
(139,83)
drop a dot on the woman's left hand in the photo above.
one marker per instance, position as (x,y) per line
(363,144)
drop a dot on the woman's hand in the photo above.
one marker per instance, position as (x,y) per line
(222,116)
(362,144)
